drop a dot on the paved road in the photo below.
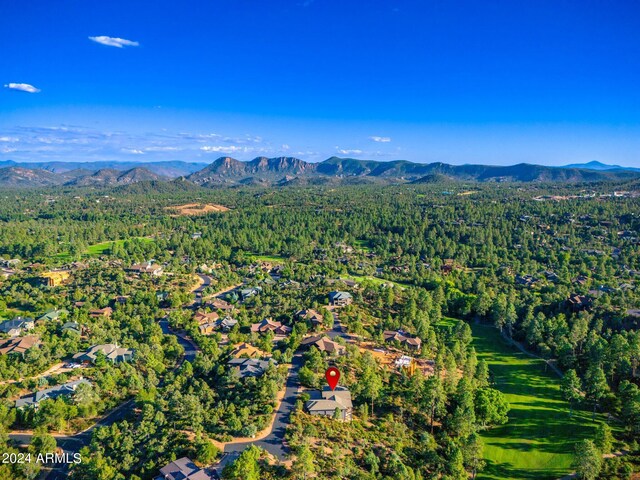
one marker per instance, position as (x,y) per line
(338,329)
(73,443)
(206,281)
(273,443)
(190,348)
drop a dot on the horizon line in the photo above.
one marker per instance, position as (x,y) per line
(143,162)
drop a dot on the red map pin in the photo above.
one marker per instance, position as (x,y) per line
(332,375)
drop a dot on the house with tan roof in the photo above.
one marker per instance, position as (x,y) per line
(268,325)
(393,336)
(324,344)
(54,278)
(149,268)
(101,312)
(18,345)
(247,351)
(310,315)
(327,401)
(203,317)
(219,304)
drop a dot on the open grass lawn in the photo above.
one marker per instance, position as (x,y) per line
(539,439)
(104,247)
(98,249)
(363,245)
(62,257)
(447,322)
(267,258)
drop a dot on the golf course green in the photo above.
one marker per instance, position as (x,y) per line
(539,439)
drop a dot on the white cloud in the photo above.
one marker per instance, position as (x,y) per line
(114,41)
(375,138)
(222,149)
(45,143)
(23,87)
(201,135)
(346,151)
(7,150)
(161,149)
(49,140)
(243,140)
(307,153)
(285,146)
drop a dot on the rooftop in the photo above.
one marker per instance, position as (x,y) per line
(182,469)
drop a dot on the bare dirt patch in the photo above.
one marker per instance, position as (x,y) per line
(387,356)
(192,209)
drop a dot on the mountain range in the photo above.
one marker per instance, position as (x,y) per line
(169,169)
(280,171)
(19,177)
(288,170)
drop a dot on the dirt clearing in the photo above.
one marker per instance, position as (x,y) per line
(191,209)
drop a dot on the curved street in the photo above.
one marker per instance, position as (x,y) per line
(71,444)
(274,442)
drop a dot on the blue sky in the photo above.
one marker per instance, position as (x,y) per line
(496,82)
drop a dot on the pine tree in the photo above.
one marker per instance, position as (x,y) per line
(587,460)
(571,389)
(604,438)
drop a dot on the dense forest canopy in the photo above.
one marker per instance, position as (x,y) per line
(554,267)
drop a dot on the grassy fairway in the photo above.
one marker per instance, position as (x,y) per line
(538,441)
(97,249)
(105,247)
(266,258)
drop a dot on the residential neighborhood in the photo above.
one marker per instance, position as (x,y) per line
(203,372)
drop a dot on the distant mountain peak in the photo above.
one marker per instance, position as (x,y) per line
(599,166)
(259,170)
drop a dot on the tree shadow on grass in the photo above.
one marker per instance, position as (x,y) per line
(502,471)
(539,421)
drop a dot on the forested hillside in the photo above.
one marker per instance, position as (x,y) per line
(546,273)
